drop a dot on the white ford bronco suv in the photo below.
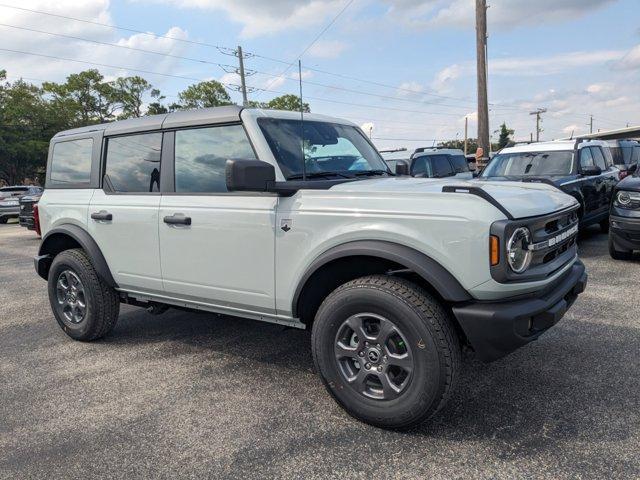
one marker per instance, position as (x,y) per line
(298,221)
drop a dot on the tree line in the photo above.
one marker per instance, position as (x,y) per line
(30,114)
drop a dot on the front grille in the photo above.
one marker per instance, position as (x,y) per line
(553,245)
(26,207)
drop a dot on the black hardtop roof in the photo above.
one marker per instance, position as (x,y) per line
(181,118)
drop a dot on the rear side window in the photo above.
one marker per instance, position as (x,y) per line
(202,154)
(133,162)
(71,161)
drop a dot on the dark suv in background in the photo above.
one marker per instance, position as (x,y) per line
(584,170)
(10,200)
(27,204)
(625,153)
(624,235)
(431,162)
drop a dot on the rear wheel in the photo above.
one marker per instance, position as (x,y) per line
(4,220)
(618,254)
(386,351)
(85,307)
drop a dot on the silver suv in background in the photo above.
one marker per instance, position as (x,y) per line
(431,162)
(10,200)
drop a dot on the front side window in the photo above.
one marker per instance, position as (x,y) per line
(71,161)
(422,167)
(586,158)
(133,162)
(598,158)
(328,149)
(523,164)
(202,154)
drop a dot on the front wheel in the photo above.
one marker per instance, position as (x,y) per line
(85,307)
(386,351)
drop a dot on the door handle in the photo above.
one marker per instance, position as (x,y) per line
(102,215)
(177,219)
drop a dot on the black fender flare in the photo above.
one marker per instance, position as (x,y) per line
(430,270)
(88,244)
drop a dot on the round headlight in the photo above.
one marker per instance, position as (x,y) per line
(624,198)
(518,253)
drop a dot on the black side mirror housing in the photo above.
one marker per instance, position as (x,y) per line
(590,171)
(249,176)
(402,168)
(632,168)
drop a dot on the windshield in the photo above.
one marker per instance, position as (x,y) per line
(329,148)
(523,164)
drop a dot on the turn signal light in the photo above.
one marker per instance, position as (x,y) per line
(36,219)
(494,250)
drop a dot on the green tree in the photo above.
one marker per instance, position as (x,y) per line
(203,95)
(93,99)
(287,102)
(504,139)
(128,93)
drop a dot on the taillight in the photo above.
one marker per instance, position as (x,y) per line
(36,219)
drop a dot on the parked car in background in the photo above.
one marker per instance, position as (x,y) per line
(10,200)
(27,205)
(625,153)
(426,162)
(624,233)
(584,170)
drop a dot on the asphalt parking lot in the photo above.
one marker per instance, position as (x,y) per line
(203,396)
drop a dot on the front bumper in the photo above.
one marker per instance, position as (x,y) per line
(9,212)
(498,328)
(625,232)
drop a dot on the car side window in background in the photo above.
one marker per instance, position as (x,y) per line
(586,159)
(202,154)
(441,166)
(71,161)
(133,162)
(598,158)
(422,167)
(459,163)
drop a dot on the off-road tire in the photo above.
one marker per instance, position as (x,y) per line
(424,323)
(102,302)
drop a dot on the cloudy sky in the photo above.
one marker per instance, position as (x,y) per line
(405,69)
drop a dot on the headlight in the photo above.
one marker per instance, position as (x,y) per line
(627,199)
(518,253)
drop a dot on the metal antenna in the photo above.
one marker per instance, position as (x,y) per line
(304,167)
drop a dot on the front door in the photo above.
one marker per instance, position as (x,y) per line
(217,247)
(123,216)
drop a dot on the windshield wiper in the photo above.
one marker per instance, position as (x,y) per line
(298,176)
(369,173)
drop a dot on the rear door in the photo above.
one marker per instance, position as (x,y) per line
(123,215)
(217,247)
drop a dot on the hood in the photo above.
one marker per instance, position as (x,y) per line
(519,199)
(629,183)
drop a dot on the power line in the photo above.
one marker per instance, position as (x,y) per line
(101,64)
(317,37)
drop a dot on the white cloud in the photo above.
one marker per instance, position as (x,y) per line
(49,68)
(268,17)
(503,13)
(409,89)
(631,60)
(327,49)
(444,78)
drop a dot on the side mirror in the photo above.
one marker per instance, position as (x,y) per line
(249,175)
(590,170)
(402,168)
(632,168)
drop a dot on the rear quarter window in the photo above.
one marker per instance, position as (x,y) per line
(71,161)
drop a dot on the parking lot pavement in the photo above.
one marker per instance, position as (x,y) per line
(203,396)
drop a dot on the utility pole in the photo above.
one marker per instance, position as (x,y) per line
(590,123)
(537,113)
(483,100)
(243,84)
(466,136)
